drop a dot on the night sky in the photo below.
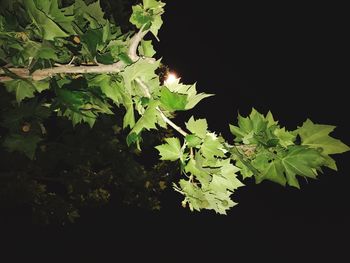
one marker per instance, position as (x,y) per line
(288,59)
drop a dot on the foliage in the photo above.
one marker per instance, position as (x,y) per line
(78,168)
(68,59)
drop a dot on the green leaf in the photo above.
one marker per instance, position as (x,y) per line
(285,138)
(112,89)
(157,23)
(194,99)
(148,4)
(192,140)
(48,28)
(125,58)
(190,90)
(270,120)
(140,69)
(146,48)
(70,98)
(41,85)
(92,39)
(229,171)
(170,151)
(92,13)
(201,174)
(227,179)
(258,120)
(270,169)
(28,110)
(46,52)
(129,117)
(198,127)
(302,161)
(245,171)
(172,101)
(283,167)
(148,120)
(23,89)
(140,17)
(194,195)
(317,136)
(64,16)
(212,147)
(24,144)
(133,138)
(249,127)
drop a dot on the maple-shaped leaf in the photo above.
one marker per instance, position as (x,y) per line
(270,119)
(249,126)
(190,90)
(194,194)
(148,120)
(229,171)
(212,147)
(155,10)
(192,140)
(301,161)
(111,88)
(24,144)
(285,138)
(157,23)
(226,178)
(170,151)
(317,136)
(140,69)
(269,169)
(172,101)
(93,13)
(152,4)
(30,109)
(140,17)
(194,98)
(283,167)
(48,28)
(146,48)
(129,117)
(63,16)
(198,127)
(22,89)
(202,175)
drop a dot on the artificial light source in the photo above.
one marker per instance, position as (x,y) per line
(171,78)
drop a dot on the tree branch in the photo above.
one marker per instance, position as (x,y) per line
(147,94)
(135,41)
(41,74)
(82,69)
(168,121)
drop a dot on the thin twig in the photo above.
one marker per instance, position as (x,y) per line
(168,121)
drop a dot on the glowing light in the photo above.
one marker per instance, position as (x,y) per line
(171,78)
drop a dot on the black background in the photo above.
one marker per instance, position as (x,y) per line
(289,59)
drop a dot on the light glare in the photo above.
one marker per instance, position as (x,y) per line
(171,78)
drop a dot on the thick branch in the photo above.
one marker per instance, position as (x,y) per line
(135,41)
(41,74)
(69,69)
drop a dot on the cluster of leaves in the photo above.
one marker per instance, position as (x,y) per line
(76,169)
(270,152)
(211,176)
(80,34)
(262,149)
(51,34)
